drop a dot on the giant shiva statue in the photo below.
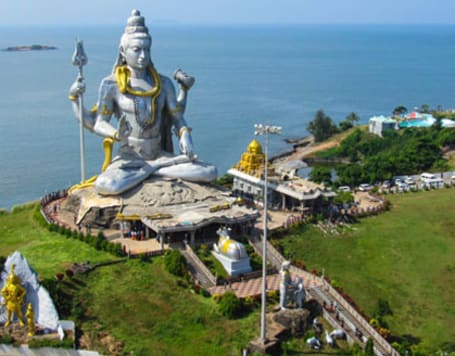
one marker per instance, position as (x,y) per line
(144,103)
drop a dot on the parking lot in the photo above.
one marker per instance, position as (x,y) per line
(403,183)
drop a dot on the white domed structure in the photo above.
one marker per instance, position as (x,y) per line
(232,254)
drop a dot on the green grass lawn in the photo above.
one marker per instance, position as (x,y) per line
(47,252)
(405,256)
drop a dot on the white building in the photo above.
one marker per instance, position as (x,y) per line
(378,124)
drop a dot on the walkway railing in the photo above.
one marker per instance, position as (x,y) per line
(275,257)
(199,266)
(379,340)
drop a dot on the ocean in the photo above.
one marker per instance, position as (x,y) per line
(279,75)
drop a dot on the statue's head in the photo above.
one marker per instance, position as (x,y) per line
(136,33)
(13,278)
(286,265)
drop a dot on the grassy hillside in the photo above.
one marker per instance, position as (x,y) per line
(139,304)
(405,256)
(47,252)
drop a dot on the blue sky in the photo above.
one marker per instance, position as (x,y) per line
(42,12)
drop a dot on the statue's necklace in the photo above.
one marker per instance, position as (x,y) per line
(123,74)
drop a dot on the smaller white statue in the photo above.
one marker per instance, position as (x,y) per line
(299,293)
(290,291)
(285,284)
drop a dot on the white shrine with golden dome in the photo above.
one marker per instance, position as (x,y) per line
(286,190)
(232,254)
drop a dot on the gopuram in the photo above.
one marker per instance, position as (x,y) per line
(147,183)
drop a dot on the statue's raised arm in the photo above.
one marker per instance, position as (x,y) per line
(147,111)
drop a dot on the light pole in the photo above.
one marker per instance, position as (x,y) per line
(260,129)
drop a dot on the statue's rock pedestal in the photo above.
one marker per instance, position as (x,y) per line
(295,321)
(281,325)
(262,347)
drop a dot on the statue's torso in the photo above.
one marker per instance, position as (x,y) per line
(138,109)
(145,129)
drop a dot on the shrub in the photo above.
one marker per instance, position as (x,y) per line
(64,344)
(216,297)
(69,273)
(144,257)
(62,300)
(204,292)
(249,301)
(335,284)
(175,263)
(273,295)
(6,339)
(374,323)
(369,348)
(383,308)
(230,306)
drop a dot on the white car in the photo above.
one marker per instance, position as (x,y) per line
(365,187)
(344,188)
(453,176)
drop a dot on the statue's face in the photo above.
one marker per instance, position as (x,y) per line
(137,53)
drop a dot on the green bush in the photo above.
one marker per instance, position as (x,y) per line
(64,344)
(175,263)
(6,339)
(230,306)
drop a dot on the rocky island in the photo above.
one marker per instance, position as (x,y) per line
(35,47)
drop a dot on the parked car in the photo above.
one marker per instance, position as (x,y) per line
(344,188)
(365,187)
(453,176)
(386,184)
(409,181)
(426,177)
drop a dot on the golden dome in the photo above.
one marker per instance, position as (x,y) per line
(254,147)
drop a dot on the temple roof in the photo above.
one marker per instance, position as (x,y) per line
(167,205)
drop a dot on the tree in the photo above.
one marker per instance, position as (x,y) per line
(400,110)
(230,306)
(349,121)
(321,175)
(322,126)
(175,263)
(345,125)
(424,108)
(353,118)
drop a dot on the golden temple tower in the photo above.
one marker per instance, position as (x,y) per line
(252,159)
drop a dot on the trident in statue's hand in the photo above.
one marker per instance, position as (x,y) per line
(79,56)
(80,60)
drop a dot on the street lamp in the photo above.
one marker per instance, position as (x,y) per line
(260,129)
